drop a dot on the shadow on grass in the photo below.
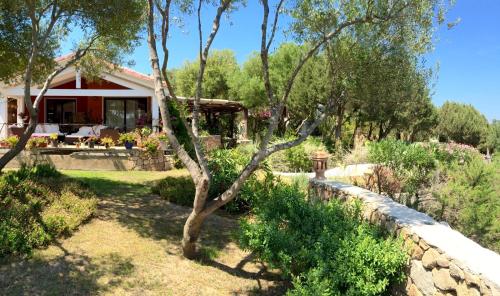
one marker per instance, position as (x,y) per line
(135,207)
(65,274)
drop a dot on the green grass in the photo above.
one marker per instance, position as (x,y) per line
(132,247)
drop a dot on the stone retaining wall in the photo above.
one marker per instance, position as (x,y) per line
(93,160)
(443,261)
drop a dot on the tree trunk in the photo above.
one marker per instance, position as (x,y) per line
(23,140)
(192,229)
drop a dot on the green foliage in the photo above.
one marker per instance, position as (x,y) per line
(110,28)
(179,190)
(37,205)
(462,124)
(220,69)
(298,158)
(127,137)
(411,164)
(225,165)
(492,139)
(12,141)
(325,248)
(469,199)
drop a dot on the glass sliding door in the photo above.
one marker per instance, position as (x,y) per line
(125,114)
(61,111)
(115,112)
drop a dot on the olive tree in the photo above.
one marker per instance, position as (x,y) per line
(32,32)
(314,24)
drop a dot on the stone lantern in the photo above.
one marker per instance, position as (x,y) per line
(320,160)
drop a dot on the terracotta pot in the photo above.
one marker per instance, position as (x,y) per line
(320,161)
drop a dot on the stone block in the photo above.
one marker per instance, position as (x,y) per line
(443,280)
(429,260)
(456,272)
(422,278)
(464,290)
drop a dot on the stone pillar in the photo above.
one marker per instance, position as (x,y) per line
(3,117)
(320,161)
(244,125)
(155,114)
(21,109)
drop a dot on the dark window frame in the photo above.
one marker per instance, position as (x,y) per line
(139,99)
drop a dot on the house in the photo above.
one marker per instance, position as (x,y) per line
(123,99)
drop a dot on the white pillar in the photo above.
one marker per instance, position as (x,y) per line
(21,108)
(155,114)
(3,117)
(78,79)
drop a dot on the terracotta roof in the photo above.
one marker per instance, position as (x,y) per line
(121,68)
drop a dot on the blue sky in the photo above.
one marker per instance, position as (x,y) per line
(467,56)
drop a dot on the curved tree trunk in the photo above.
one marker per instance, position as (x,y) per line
(190,235)
(23,140)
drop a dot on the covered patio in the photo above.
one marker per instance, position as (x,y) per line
(123,101)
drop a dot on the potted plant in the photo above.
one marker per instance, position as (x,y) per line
(53,140)
(163,141)
(127,139)
(151,145)
(107,142)
(12,141)
(91,141)
(36,142)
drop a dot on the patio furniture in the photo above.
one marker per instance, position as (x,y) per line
(46,129)
(84,132)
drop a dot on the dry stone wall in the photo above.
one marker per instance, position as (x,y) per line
(443,261)
(110,159)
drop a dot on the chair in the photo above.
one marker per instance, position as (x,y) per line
(82,133)
(47,129)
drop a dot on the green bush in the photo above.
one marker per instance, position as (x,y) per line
(411,164)
(179,190)
(298,158)
(225,166)
(325,249)
(469,200)
(37,205)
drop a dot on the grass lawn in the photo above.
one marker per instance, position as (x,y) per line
(132,247)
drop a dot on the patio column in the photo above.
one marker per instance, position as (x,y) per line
(3,117)
(244,125)
(155,114)
(21,108)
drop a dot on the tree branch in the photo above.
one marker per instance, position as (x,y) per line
(190,164)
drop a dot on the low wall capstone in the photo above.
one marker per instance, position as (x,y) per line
(106,160)
(443,261)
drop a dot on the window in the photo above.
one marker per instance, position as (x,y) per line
(125,114)
(12,111)
(61,110)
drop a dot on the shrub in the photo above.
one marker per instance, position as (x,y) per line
(325,249)
(37,205)
(411,164)
(151,144)
(179,190)
(298,158)
(469,202)
(225,166)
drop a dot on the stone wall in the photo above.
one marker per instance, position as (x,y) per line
(93,160)
(443,261)
(145,161)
